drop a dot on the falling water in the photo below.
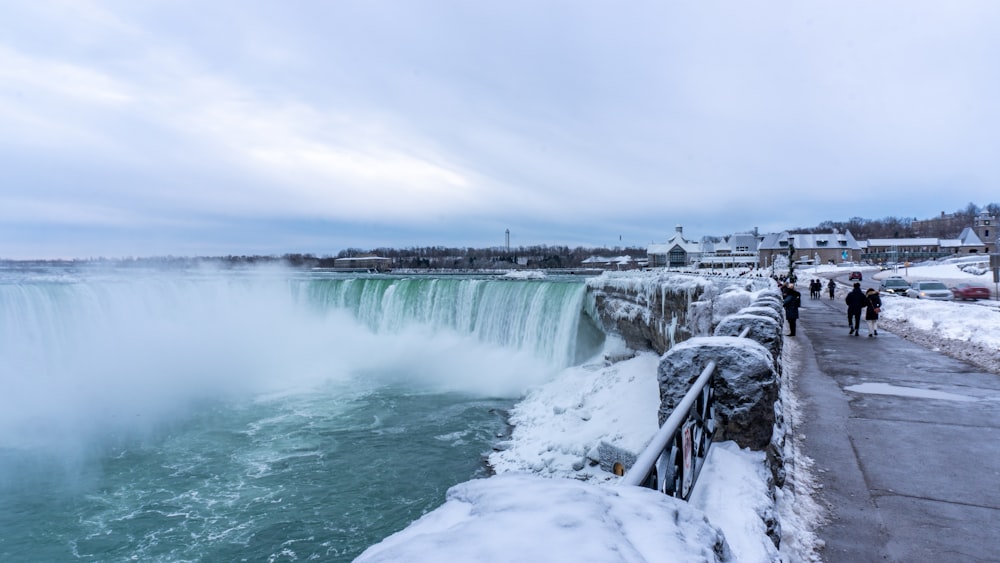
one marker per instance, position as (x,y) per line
(206,415)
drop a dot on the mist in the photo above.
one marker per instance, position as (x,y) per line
(87,364)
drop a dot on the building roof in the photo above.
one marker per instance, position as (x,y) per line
(809,241)
(689,246)
(919,241)
(748,240)
(968,237)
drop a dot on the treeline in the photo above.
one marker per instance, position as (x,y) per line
(947,225)
(459,258)
(427,257)
(538,256)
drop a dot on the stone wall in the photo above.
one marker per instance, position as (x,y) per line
(655,310)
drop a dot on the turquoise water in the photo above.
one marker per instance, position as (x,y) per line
(211,416)
(320,475)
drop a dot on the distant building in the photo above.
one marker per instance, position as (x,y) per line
(623,262)
(939,226)
(734,251)
(926,248)
(905,249)
(810,248)
(985,227)
(376,263)
(677,252)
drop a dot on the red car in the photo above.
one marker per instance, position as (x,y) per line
(855,276)
(970,291)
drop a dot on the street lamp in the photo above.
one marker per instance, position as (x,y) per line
(791,260)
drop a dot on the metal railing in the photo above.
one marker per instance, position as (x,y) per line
(674,457)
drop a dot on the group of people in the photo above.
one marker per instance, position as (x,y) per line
(816,288)
(869,301)
(857,300)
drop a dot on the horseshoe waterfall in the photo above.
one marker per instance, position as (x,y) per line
(261,415)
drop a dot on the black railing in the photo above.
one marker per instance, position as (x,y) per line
(674,457)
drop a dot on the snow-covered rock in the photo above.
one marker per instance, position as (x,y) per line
(595,523)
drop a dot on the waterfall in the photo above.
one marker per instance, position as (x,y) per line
(125,349)
(546,318)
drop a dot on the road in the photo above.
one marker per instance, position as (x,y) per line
(906,444)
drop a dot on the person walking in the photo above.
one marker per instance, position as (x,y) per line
(872,309)
(831,287)
(856,301)
(791,303)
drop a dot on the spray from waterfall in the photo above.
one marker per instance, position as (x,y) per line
(87,359)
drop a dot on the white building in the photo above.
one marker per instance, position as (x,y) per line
(677,252)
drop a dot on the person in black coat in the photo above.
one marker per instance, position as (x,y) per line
(831,287)
(872,309)
(856,301)
(792,302)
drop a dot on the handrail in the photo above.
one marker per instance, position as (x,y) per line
(673,458)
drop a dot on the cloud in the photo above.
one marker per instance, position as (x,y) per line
(447,120)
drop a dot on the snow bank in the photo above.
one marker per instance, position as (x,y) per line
(521,517)
(557,425)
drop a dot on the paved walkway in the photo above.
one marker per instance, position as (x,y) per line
(911,475)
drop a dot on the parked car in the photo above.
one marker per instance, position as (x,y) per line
(895,285)
(855,275)
(929,289)
(971,291)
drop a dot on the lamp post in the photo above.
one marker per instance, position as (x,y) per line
(791,260)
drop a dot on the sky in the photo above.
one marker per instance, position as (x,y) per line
(250,127)
(538,492)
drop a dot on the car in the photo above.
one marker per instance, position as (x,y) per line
(894,285)
(929,289)
(973,291)
(855,275)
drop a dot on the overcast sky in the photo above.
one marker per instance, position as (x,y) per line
(145,128)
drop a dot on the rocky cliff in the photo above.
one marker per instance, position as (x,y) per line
(655,310)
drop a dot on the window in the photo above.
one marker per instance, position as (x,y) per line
(677,257)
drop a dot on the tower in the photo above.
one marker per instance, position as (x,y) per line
(985,227)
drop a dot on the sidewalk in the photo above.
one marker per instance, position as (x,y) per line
(906,444)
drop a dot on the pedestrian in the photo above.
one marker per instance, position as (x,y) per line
(856,301)
(873,308)
(792,302)
(831,287)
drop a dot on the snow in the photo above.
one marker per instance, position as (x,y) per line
(887,389)
(555,425)
(550,502)
(523,517)
(524,275)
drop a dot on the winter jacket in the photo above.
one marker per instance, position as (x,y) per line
(856,301)
(792,302)
(873,301)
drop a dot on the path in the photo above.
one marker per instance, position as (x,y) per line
(906,444)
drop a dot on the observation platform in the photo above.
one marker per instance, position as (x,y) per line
(906,443)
